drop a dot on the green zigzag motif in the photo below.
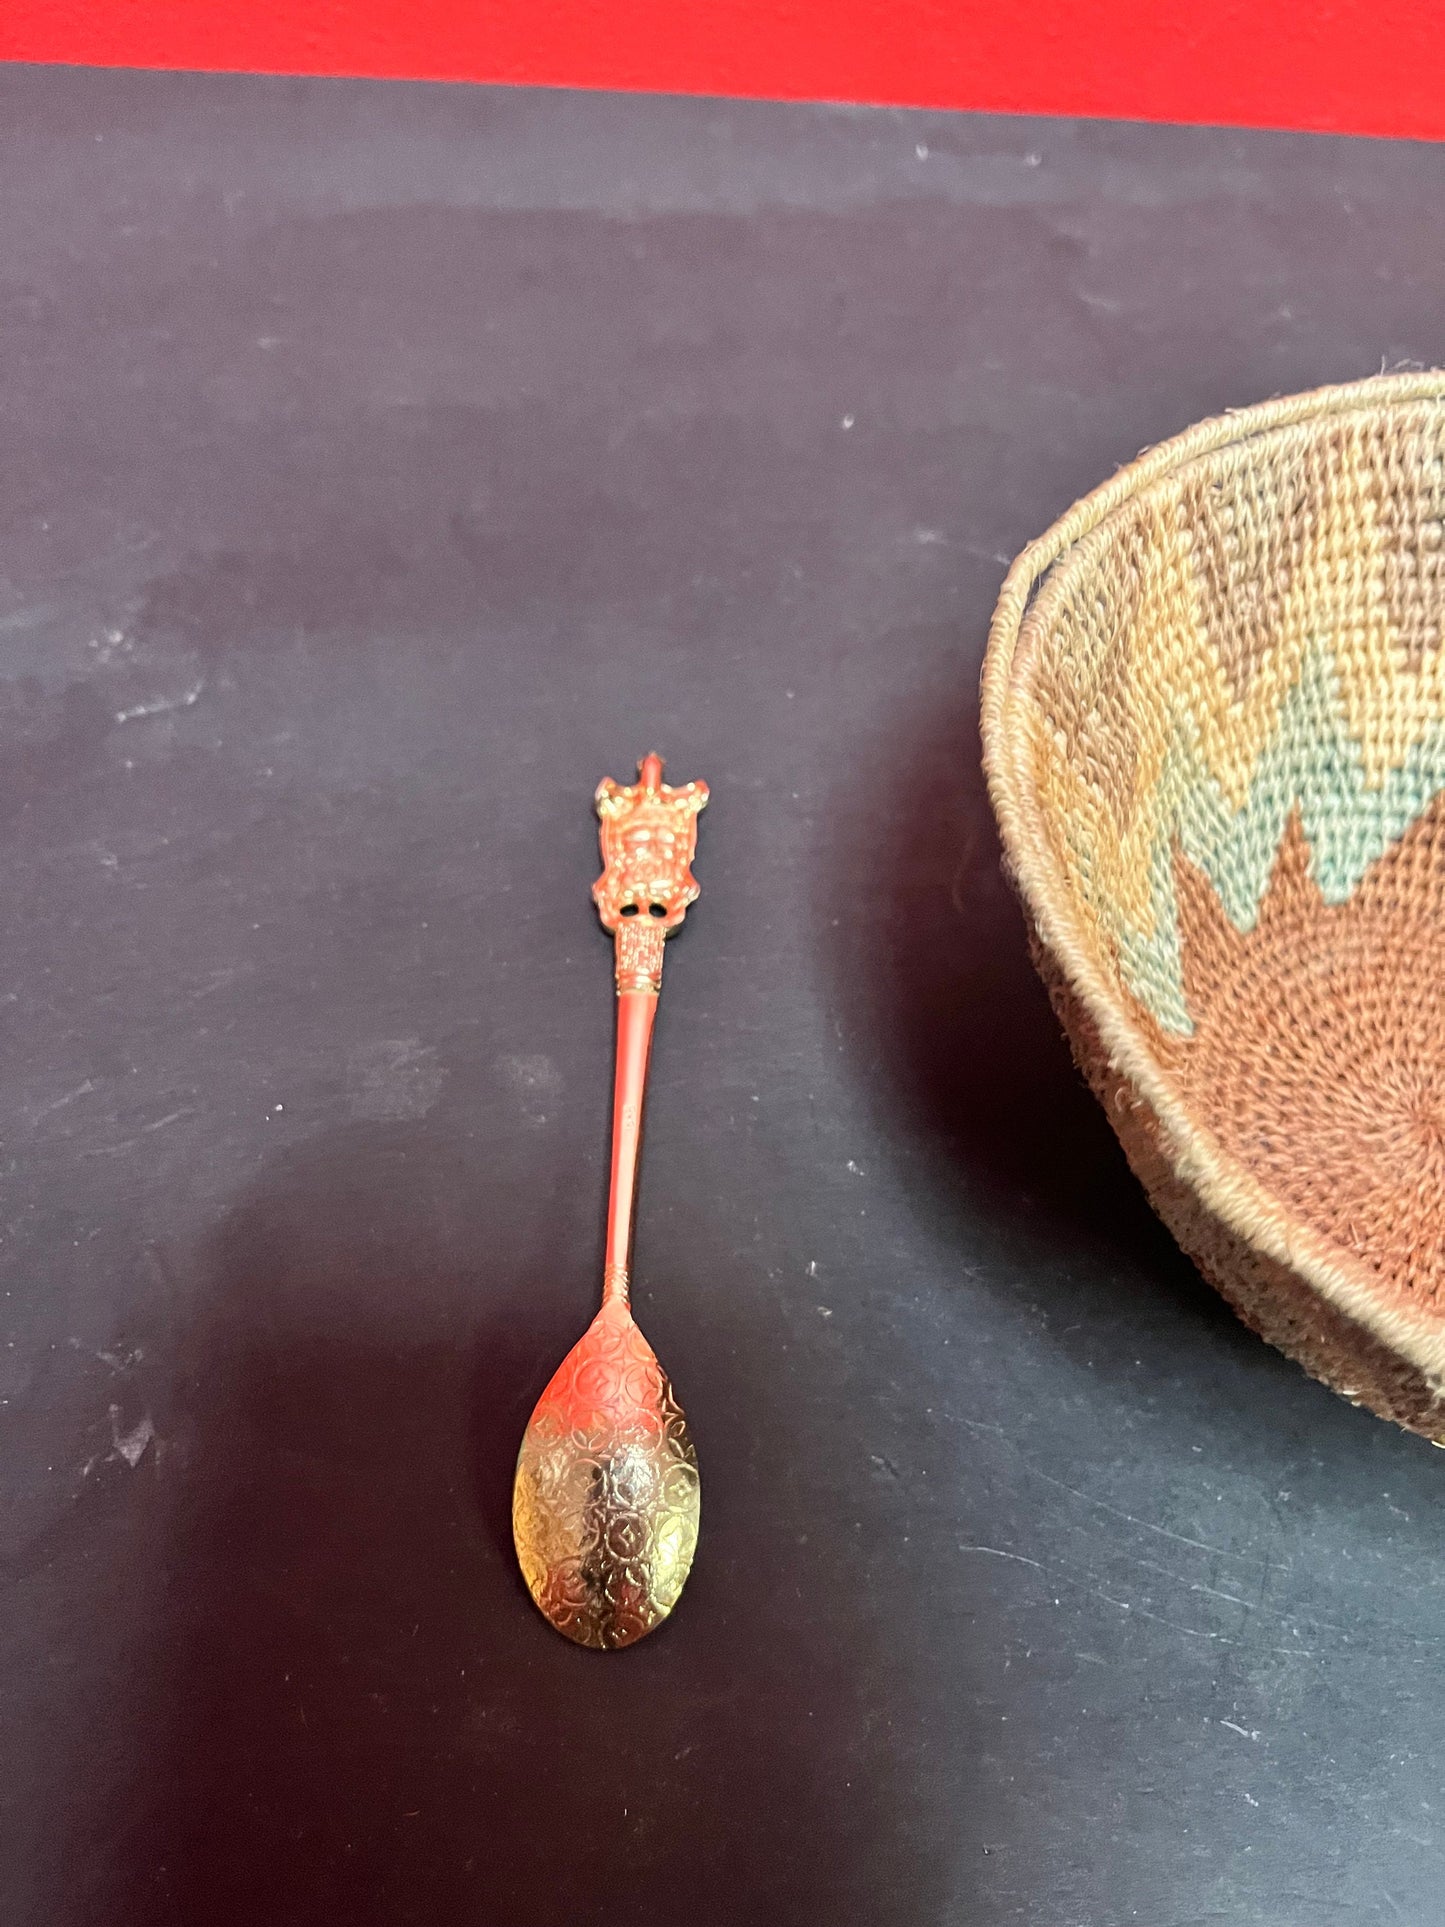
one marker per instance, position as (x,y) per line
(1312,762)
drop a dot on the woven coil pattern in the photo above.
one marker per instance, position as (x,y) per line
(1214,725)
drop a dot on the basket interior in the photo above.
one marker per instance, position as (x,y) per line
(1236,713)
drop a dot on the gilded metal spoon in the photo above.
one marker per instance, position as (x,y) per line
(605,1502)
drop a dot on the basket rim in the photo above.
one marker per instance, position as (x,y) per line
(1235,1195)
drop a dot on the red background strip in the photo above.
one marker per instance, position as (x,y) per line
(1340,65)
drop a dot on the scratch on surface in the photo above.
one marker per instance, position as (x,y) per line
(1301,1624)
(112,1150)
(1244,1732)
(1213,1592)
(59,1103)
(1145,1525)
(220,979)
(1058,1577)
(980,1425)
(1191,1632)
(1294,1620)
(1197,1585)
(171,1117)
(997,1552)
(162,705)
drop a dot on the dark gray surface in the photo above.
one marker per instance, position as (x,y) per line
(381,467)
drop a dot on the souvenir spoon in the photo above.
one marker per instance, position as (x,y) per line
(605,1502)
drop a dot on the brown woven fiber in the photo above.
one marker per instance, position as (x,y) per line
(1214,730)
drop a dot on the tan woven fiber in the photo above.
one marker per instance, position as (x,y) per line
(1214,733)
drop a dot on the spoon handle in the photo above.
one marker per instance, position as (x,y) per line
(636,1010)
(648,837)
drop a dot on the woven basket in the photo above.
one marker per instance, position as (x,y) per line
(1214,730)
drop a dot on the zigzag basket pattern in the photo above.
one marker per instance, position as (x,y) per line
(1214,729)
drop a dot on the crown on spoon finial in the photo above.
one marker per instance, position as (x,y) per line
(649,838)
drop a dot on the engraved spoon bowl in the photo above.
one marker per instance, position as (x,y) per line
(606,1502)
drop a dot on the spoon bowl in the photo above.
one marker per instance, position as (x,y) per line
(606,1501)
